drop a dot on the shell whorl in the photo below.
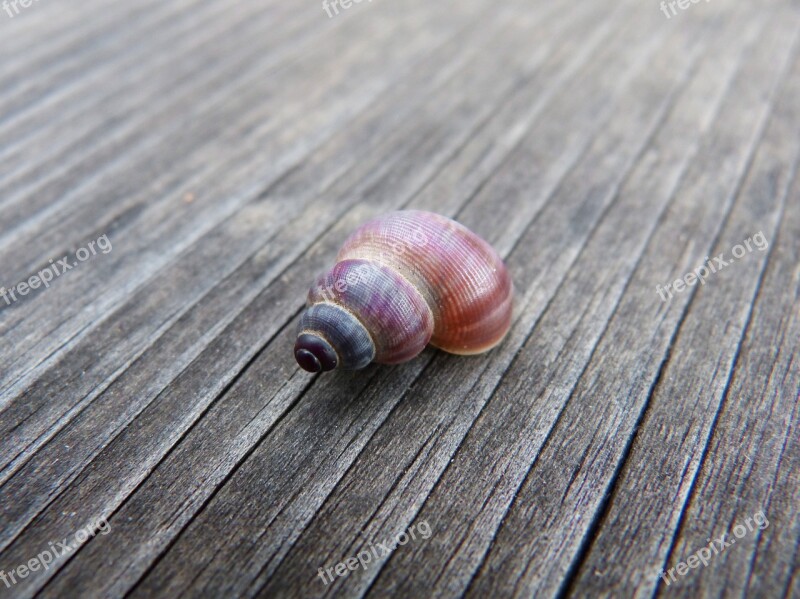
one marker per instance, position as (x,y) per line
(405,279)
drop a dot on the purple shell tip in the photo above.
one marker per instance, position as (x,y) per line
(308,361)
(314,354)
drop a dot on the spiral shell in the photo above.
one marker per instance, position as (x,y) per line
(401,281)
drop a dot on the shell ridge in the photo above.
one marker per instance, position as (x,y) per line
(409,282)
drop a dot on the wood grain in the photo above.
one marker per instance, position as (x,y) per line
(226,150)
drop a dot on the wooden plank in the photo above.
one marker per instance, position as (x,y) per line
(577,453)
(147,227)
(719,312)
(248,257)
(135,209)
(231,291)
(227,150)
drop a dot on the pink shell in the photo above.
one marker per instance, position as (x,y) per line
(462,279)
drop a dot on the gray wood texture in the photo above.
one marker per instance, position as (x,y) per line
(227,149)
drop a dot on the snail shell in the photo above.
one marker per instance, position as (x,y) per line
(401,281)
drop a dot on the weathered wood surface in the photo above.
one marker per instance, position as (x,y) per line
(226,150)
